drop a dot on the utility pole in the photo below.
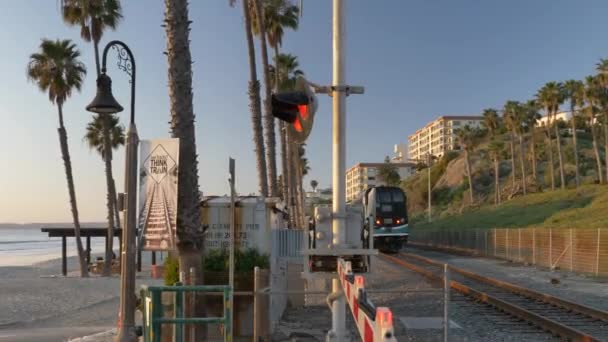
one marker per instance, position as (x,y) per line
(428,167)
(231,167)
(339,161)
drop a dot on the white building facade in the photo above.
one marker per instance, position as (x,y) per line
(439,136)
(564,116)
(365,175)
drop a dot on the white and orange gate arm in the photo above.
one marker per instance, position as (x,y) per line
(374,324)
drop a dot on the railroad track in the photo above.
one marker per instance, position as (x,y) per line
(560,317)
(157,219)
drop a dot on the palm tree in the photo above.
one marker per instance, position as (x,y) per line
(491,120)
(532,117)
(314,184)
(254,102)
(602,69)
(593,98)
(302,168)
(520,122)
(94,17)
(96,138)
(56,69)
(258,26)
(189,229)
(278,16)
(550,96)
(510,118)
(575,92)
(466,139)
(286,68)
(495,148)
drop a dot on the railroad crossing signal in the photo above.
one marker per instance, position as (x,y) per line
(297,108)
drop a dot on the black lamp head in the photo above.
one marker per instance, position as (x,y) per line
(104,102)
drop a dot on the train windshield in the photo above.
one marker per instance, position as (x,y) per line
(390,196)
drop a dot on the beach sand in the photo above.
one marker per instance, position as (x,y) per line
(38,296)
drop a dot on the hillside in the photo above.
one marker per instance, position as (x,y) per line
(451,205)
(581,209)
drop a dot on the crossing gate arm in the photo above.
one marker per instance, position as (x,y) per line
(375,324)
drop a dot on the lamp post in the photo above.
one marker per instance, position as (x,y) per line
(105,104)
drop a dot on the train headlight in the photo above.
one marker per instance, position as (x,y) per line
(320,236)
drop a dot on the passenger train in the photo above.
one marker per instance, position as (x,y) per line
(385,213)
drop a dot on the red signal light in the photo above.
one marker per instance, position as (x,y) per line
(297,125)
(303,110)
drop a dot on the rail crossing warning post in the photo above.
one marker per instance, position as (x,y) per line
(158,177)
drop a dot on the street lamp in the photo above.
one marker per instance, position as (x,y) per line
(104,103)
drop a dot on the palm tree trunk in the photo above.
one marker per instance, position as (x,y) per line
(299,186)
(115,206)
(523,165)
(255,107)
(512,143)
(533,150)
(282,133)
(468,163)
(496,182)
(268,118)
(551,169)
(294,184)
(107,154)
(97,63)
(574,143)
(606,143)
(559,156)
(189,230)
(596,151)
(65,154)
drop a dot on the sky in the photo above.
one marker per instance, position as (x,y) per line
(417,60)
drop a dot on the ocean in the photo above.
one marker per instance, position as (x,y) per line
(21,246)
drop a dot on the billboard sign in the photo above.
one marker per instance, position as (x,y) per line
(158,172)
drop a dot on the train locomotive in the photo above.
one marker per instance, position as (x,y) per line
(385,216)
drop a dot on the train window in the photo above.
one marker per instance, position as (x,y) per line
(384,196)
(398,196)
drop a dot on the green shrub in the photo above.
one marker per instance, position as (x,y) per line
(245,260)
(171,270)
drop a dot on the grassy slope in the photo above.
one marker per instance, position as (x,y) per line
(587,208)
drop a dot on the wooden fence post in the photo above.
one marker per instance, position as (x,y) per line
(550,247)
(507,244)
(571,252)
(519,244)
(256,302)
(533,246)
(495,247)
(597,255)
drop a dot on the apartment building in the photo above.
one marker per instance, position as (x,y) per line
(365,175)
(439,136)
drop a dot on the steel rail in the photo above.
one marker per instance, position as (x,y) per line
(513,309)
(563,303)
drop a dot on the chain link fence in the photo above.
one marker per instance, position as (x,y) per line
(577,250)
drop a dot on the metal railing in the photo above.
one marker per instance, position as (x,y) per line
(577,250)
(153,317)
